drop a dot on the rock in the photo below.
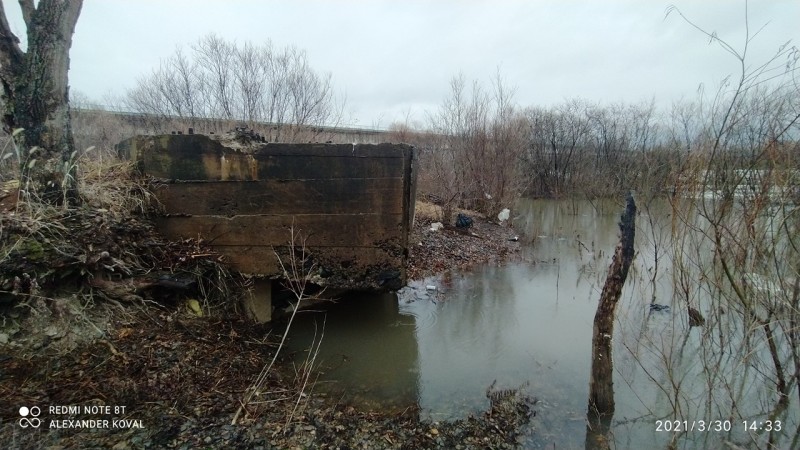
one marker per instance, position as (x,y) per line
(3,338)
(121,445)
(436,226)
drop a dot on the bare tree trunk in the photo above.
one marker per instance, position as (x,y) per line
(601,385)
(35,93)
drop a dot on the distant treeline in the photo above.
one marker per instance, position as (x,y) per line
(479,149)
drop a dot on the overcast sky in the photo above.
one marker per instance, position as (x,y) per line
(395,58)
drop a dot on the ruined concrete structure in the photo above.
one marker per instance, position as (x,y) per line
(350,206)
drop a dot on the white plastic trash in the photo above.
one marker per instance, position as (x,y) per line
(504,214)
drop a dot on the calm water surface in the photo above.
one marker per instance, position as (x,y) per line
(525,325)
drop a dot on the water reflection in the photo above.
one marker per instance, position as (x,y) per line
(530,323)
(369,351)
(507,324)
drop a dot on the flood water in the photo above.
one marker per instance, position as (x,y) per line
(441,342)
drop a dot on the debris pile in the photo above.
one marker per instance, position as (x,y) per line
(436,248)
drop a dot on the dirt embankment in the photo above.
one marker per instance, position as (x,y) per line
(174,375)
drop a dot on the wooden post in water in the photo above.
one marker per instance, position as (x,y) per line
(601,384)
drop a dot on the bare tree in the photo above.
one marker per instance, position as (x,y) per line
(557,142)
(476,143)
(273,90)
(250,79)
(35,93)
(216,57)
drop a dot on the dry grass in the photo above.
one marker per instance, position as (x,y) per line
(106,245)
(111,185)
(426,212)
(295,269)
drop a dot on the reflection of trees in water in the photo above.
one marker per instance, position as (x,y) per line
(474,319)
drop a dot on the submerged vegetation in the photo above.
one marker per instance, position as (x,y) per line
(735,213)
(728,259)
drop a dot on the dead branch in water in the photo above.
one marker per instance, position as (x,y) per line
(601,385)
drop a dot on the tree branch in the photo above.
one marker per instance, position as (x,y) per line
(27,10)
(10,53)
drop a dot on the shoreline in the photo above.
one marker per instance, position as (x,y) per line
(179,378)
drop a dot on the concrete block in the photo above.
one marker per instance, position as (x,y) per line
(258,301)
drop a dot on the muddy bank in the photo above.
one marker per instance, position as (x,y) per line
(156,373)
(180,380)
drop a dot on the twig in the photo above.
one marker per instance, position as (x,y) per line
(297,282)
(111,347)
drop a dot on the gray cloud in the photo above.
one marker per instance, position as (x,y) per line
(391,57)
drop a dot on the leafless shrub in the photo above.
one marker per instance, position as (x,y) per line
(557,144)
(471,155)
(580,149)
(734,255)
(295,267)
(272,90)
